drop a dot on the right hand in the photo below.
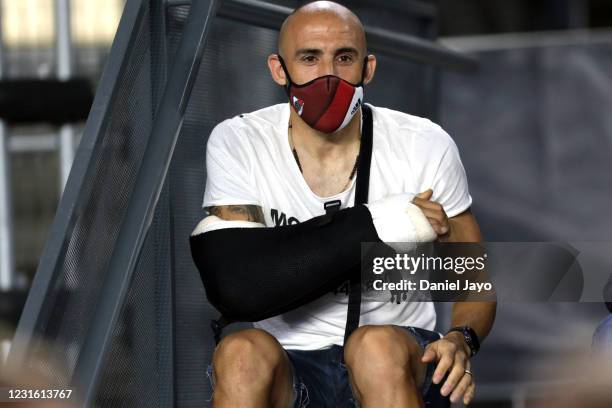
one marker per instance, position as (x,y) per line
(434,212)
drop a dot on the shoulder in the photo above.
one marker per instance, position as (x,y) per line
(247,127)
(410,133)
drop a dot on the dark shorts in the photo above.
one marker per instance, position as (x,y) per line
(320,379)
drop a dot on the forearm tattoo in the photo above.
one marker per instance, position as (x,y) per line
(251,213)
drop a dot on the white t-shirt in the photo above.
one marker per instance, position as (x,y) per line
(249,161)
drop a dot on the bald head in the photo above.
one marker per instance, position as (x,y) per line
(318,39)
(320,17)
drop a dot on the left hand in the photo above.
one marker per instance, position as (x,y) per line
(452,355)
(434,212)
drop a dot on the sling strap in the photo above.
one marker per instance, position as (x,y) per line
(361,197)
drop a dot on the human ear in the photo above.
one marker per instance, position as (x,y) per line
(276,70)
(371,68)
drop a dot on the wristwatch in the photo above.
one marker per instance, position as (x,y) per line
(471,339)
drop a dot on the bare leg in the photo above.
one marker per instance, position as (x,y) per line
(251,370)
(385,368)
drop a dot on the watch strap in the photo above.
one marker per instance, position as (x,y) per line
(470,337)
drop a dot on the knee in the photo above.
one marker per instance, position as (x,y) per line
(386,351)
(250,354)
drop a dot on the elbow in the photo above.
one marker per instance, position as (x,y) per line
(221,276)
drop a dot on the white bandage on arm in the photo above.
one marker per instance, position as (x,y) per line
(213,223)
(396,219)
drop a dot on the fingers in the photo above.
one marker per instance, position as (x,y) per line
(437,219)
(423,203)
(430,206)
(469,393)
(435,214)
(444,363)
(451,358)
(461,388)
(425,195)
(429,356)
(456,375)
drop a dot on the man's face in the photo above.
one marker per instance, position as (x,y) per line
(318,44)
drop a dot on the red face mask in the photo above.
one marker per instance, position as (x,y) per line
(327,103)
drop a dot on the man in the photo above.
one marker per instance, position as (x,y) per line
(279,166)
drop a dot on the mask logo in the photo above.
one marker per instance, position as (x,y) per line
(357,105)
(298,104)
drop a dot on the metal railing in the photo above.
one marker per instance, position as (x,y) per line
(7,262)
